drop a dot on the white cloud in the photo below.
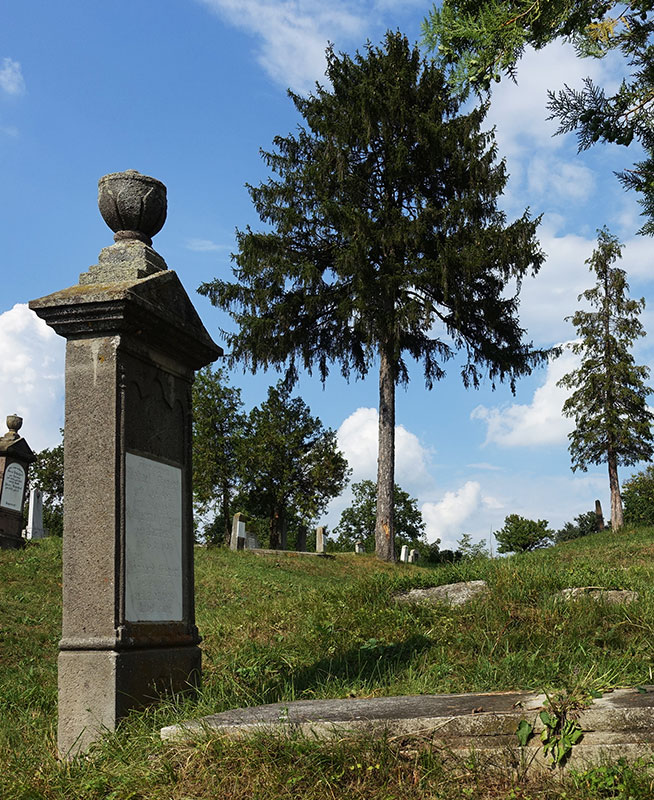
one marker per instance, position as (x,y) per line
(11,77)
(539,423)
(293,35)
(357,440)
(548,176)
(520,111)
(444,519)
(32,375)
(204,245)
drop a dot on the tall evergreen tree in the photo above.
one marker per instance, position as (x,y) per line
(384,241)
(477,40)
(609,401)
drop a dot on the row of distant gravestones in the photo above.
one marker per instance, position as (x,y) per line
(242,539)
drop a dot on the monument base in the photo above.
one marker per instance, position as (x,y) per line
(97,688)
(11,542)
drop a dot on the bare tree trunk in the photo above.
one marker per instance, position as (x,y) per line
(617,520)
(227,517)
(274,531)
(385,523)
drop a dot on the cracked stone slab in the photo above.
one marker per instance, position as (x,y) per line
(619,724)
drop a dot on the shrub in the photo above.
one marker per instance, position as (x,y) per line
(583,525)
(638,498)
(520,534)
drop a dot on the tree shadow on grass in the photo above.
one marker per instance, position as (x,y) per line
(372,664)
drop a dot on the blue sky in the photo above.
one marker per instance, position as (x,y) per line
(188,91)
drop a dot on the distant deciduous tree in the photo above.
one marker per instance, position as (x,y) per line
(218,427)
(469,549)
(520,535)
(583,525)
(383,243)
(289,464)
(613,424)
(638,497)
(357,522)
(47,474)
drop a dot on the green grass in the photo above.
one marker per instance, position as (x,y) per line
(288,628)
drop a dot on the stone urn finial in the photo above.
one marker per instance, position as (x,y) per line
(132,205)
(14,424)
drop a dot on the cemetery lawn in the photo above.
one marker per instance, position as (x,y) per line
(286,628)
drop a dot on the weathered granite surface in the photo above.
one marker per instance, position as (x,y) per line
(453,594)
(620,723)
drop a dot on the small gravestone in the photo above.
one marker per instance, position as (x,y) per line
(251,541)
(358,548)
(237,541)
(301,539)
(134,341)
(599,515)
(320,539)
(35,529)
(15,458)
(404,554)
(413,556)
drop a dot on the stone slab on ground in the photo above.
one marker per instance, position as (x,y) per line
(620,723)
(453,594)
(262,551)
(610,596)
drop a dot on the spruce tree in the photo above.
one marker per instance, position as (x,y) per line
(383,242)
(609,401)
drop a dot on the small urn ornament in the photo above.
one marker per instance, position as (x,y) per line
(14,424)
(132,205)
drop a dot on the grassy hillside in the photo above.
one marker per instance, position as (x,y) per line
(287,628)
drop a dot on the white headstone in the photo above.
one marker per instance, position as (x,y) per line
(320,539)
(35,529)
(236,522)
(404,554)
(413,557)
(358,547)
(13,487)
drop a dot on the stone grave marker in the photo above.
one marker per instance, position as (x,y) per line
(35,529)
(404,554)
(237,541)
(15,458)
(320,539)
(358,548)
(134,341)
(413,556)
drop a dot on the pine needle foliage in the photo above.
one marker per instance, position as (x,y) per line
(609,401)
(384,242)
(476,41)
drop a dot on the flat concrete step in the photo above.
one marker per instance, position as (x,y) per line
(620,723)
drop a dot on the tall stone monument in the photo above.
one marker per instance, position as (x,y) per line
(35,529)
(133,343)
(15,458)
